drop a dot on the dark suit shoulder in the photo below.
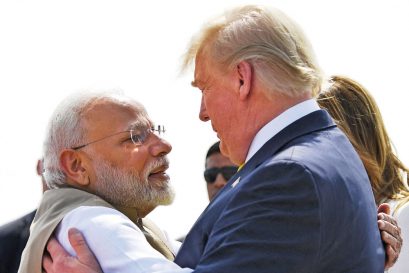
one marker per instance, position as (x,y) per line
(13,238)
(15,227)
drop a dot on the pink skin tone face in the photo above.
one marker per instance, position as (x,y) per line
(219,103)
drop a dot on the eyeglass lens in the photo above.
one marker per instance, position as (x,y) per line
(139,135)
(227,172)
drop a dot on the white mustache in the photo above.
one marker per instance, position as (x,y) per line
(159,163)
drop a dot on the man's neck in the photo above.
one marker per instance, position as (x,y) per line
(134,213)
(261,112)
(280,122)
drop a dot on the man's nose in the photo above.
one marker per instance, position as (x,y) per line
(160,147)
(220,182)
(203,116)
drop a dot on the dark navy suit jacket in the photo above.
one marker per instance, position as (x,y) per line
(302,203)
(13,239)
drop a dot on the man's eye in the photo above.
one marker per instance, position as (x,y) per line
(128,139)
(137,138)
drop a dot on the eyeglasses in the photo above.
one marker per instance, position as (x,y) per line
(227,172)
(137,135)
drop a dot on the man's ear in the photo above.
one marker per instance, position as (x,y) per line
(74,167)
(40,167)
(245,74)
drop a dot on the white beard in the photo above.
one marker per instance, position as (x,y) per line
(123,188)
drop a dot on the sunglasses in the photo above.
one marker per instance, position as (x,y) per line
(227,172)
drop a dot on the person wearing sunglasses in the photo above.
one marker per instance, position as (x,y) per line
(218,170)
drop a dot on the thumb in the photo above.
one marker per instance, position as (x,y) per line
(384,208)
(78,243)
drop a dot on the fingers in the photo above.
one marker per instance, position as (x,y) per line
(47,263)
(387,223)
(54,252)
(84,253)
(391,241)
(391,236)
(57,260)
(384,208)
(55,249)
(77,241)
(387,218)
(392,256)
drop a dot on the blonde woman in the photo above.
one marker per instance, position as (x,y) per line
(356,113)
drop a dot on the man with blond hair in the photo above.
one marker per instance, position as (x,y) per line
(301,200)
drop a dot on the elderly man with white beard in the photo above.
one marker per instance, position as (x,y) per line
(106,167)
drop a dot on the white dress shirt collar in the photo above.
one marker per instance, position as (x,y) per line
(280,122)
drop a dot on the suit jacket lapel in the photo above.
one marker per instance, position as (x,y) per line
(315,121)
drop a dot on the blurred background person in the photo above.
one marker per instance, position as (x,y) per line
(14,236)
(218,170)
(356,113)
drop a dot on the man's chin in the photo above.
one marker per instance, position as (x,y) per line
(166,202)
(163,191)
(168,195)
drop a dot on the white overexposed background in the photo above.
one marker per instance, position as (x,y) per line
(49,49)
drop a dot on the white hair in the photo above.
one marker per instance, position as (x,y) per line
(65,130)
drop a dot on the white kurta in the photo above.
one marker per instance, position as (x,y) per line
(117,243)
